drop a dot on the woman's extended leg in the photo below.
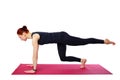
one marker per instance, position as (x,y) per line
(71,40)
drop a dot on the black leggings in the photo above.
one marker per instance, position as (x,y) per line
(73,41)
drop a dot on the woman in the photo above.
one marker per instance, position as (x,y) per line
(61,39)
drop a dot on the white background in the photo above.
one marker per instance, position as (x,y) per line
(81,18)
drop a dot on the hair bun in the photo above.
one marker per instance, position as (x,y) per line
(24,27)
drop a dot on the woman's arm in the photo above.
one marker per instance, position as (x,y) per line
(35,39)
(35,50)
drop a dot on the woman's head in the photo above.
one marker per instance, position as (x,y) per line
(22,33)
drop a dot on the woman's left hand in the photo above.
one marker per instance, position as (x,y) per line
(29,71)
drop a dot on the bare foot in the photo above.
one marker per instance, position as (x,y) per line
(107,41)
(83,61)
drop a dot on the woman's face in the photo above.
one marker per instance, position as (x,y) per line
(23,37)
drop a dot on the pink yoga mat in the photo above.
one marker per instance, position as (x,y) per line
(62,69)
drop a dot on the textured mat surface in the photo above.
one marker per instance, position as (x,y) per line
(62,69)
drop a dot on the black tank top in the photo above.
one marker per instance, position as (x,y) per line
(45,37)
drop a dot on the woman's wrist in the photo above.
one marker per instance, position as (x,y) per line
(34,69)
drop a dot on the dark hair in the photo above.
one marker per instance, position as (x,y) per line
(21,30)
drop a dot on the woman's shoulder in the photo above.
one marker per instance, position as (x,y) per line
(35,34)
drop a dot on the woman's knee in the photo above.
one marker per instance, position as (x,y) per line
(62,58)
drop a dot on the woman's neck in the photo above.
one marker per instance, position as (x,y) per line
(29,35)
